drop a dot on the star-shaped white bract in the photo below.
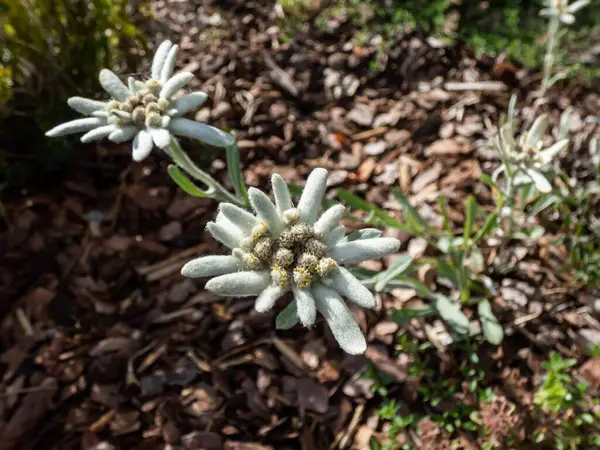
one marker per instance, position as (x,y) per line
(145,111)
(281,248)
(562,10)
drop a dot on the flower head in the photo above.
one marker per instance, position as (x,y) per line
(145,111)
(562,9)
(282,248)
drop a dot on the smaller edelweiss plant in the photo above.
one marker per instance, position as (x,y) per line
(525,160)
(281,248)
(146,111)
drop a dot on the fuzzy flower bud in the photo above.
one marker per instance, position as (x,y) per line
(302,277)
(279,276)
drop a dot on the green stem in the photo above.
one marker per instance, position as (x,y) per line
(214,189)
(553,27)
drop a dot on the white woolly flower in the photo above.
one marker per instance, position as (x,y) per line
(563,10)
(282,248)
(145,111)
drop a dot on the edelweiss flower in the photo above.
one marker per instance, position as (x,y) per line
(562,10)
(144,111)
(283,248)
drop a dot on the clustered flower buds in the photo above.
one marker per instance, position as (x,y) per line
(145,111)
(283,248)
(563,10)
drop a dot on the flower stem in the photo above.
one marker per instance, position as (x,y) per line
(214,189)
(553,27)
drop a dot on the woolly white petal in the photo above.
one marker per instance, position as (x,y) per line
(329,219)
(210,266)
(98,133)
(160,136)
(340,320)
(241,218)
(132,85)
(123,134)
(364,249)
(205,133)
(188,102)
(228,236)
(305,303)
(266,210)
(539,179)
(348,285)
(159,59)
(85,105)
(76,126)
(142,145)
(334,236)
(175,83)
(169,64)
(576,6)
(240,284)
(312,196)
(537,130)
(268,297)
(546,156)
(113,85)
(568,19)
(281,193)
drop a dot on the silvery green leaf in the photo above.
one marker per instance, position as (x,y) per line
(363,250)
(205,133)
(188,102)
(85,105)
(539,180)
(451,314)
(169,64)
(546,156)
(563,127)
(123,134)
(305,306)
(159,59)
(160,137)
(492,330)
(283,201)
(521,178)
(312,196)
(287,318)
(577,5)
(344,328)
(334,236)
(365,233)
(537,130)
(210,266)
(268,297)
(142,145)
(113,85)
(76,126)
(348,285)
(239,217)
(240,284)
(398,267)
(568,19)
(175,83)
(228,236)
(476,262)
(329,219)
(98,133)
(266,210)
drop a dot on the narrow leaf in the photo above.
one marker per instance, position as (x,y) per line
(471,214)
(287,318)
(492,330)
(451,314)
(235,173)
(398,267)
(184,182)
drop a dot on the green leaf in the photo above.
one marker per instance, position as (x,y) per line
(287,318)
(492,330)
(235,173)
(471,214)
(365,233)
(184,182)
(412,215)
(476,261)
(451,314)
(405,315)
(490,223)
(443,202)
(382,216)
(542,203)
(398,267)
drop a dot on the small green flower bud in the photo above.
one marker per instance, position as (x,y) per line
(153,120)
(315,247)
(302,277)
(326,266)
(284,257)
(279,276)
